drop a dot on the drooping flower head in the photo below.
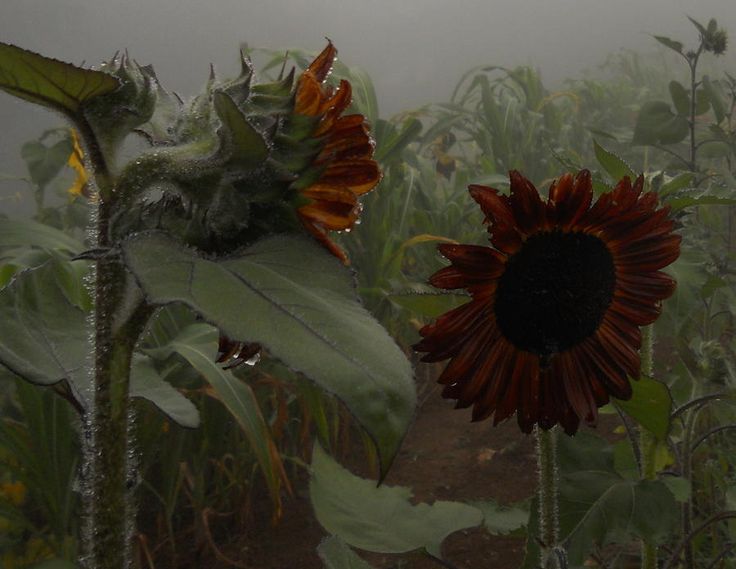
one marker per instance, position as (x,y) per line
(345,165)
(552,330)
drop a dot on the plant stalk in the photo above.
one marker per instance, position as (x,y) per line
(107,484)
(647,442)
(548,490)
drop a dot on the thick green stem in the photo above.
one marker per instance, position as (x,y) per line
(548,511)
(648,443)
(106,542)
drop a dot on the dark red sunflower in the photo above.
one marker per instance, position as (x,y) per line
(345,162)
(552,330)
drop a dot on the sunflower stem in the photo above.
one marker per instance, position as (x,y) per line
(548,511)
(647,442)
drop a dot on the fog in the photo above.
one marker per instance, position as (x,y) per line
(415,50)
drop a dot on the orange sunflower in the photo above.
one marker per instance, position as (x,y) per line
(345,162)
(552,330)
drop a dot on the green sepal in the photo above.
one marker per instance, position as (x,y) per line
(247,147)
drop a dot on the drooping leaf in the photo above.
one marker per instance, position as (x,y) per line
(27,233)
(381,519)
(44,337)
(680,98)
(146,383)
(657,124)
(51,83)
(650,406)
(500,520)
(680,487)
(300,304)
(702,102)
(670,43)
(614,165)
(248,147)
(336,554)
(197,344)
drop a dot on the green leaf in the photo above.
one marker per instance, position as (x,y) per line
(615,510)
(381,519)
(49,82)
(44,337)
(197,344)
(702,102)
(650,406)
(146,383)
(680,98)
(657,124)
(336,554)
(248,148)
(670,43)
(398,140)
(45,162)
(677,183)
(501,520)
(612,164)
(299,302)
(681,203)
(701,28)
(680,487)
(26,233)
(716,97)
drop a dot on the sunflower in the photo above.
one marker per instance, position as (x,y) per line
(345,165)
(552,330)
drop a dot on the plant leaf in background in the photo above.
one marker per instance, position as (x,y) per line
(650,406)
(27,233)
(44,337)
(336,554)
(657,124)
(302,307)
(381,519)
(146,383)
(502,520)
(614,165)
(51,83)
(197,344)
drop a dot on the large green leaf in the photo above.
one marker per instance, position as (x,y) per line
(381,519)
(145,382)
(295,299)
(680,98)
(44,337)
(49,82)
(501,520)
(716,97)
(197,344)
(27,233)
(336,554)
(657,124)
(610,509)
(650,406)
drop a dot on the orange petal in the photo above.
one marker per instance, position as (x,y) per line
(322,64)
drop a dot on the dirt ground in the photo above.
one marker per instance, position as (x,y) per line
(444,457)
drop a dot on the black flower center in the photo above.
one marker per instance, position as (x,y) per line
(555,292)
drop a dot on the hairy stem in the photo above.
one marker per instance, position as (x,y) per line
(647,442)
(548,511)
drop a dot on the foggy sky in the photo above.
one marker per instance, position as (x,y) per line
(415,50)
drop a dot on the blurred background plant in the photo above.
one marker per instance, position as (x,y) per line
(674,122)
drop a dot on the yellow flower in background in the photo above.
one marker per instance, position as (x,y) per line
(76,162)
